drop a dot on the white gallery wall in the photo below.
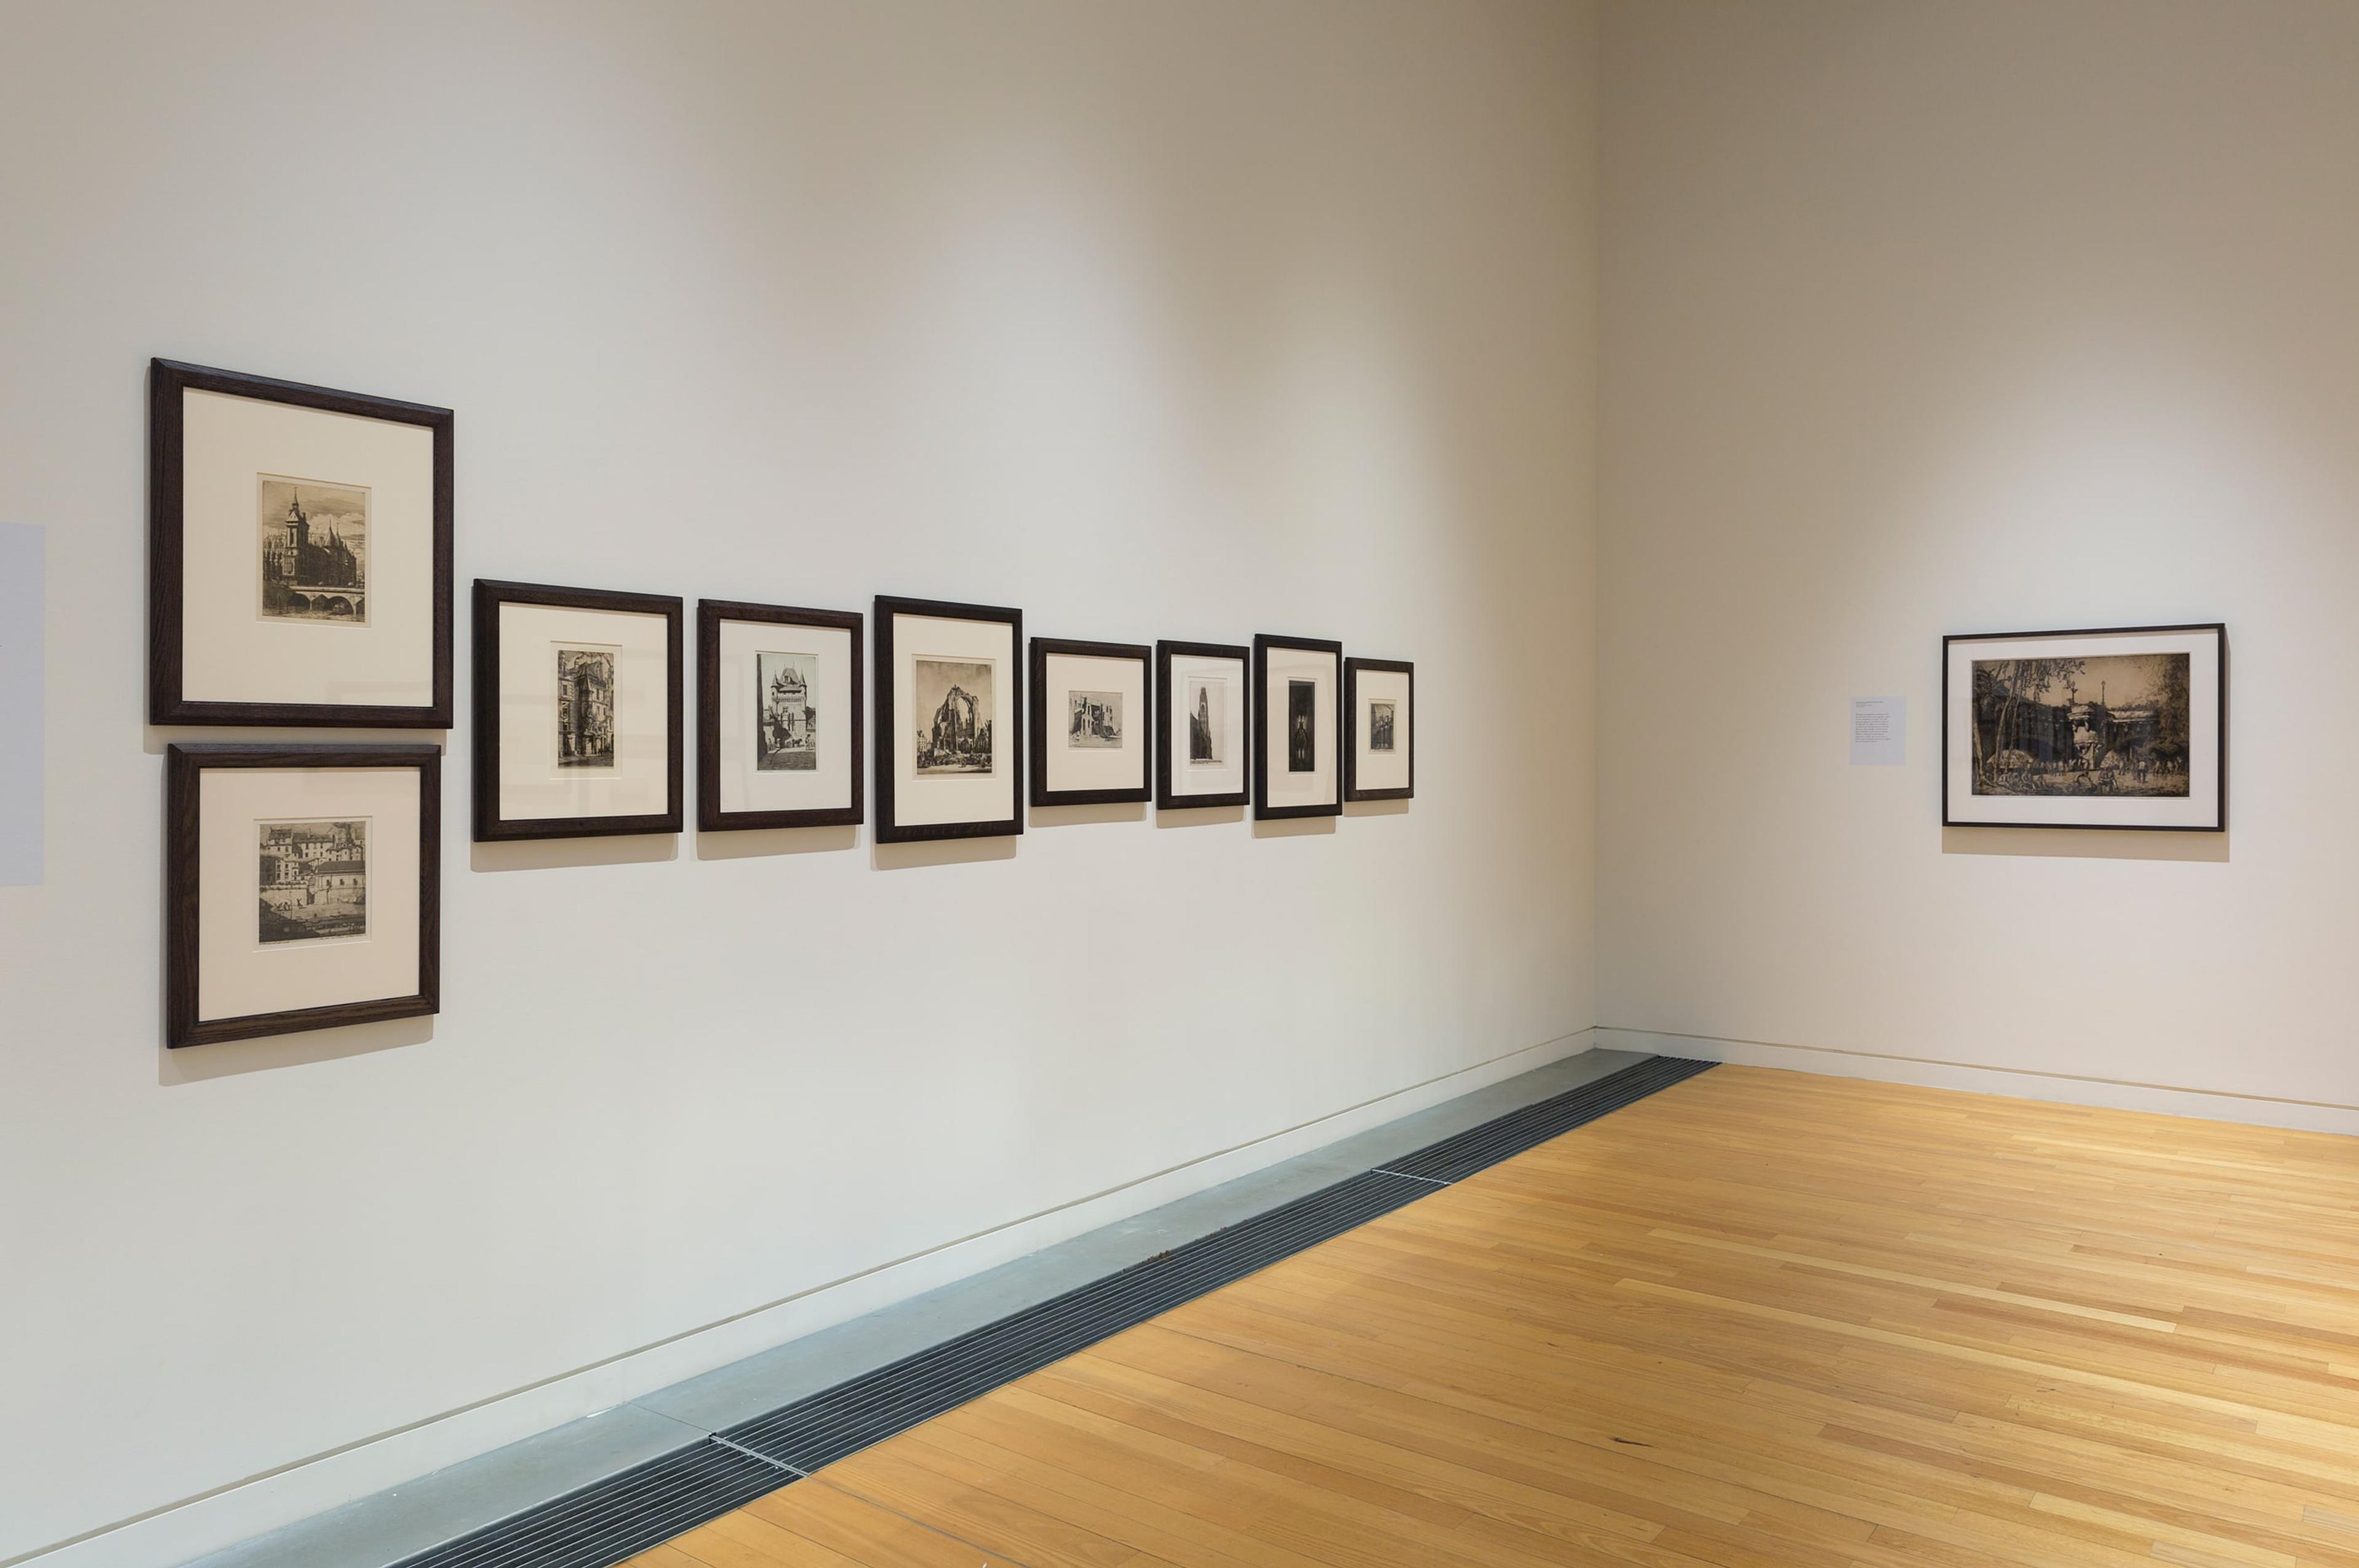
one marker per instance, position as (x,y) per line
(1185,320)
(2004,316)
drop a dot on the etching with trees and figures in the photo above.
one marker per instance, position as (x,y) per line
(2115,724)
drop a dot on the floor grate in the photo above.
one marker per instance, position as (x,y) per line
(618,1517)
(610,1520)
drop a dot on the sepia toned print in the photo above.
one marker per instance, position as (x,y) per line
(1093,720)
(1302,733)
(1208,726)
(952,699)
(314,551)
(585,708)
(313,880)
(2110,725)
(786,726)
(1380,725)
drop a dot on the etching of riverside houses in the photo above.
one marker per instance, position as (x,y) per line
(314,880)
(314,552)
(2116,724)
(956,697)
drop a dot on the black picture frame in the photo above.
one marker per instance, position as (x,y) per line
(1044,649)
(185,765)
(1262,644)
(168,380)
(1351,668)
(710,818)
(1166,650)
(489,826)
(889,828)
(2218,824)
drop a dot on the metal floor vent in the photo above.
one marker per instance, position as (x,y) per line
(610,1520)
(1480,1148)
(618,1517)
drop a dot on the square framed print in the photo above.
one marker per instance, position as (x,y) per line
(2121,727)
(1297,765)
(298,553)
(1380,736)
(1202,737)
(577,712)
(1090,720)
(950,707)
(779,717)
(302,887)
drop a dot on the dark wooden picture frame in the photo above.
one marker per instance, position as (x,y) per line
(185,765)
(889,828)
(168,380)
(709,818)
(2219,823)
(1043,649)
(1351,668)
(490,826)
(1262,644)
(1165,652)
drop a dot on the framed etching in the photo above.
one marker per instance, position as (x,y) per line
(779,721)
(2123,726)
(1380,741)
(298,553)
(1204,725)
(1091,721)
(950,707)
(302,887)
(577,712)
(1297,765)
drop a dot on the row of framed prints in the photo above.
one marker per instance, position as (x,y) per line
(301,549)
(303,881)
(579,728)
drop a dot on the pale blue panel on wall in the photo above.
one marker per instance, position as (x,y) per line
(20,704)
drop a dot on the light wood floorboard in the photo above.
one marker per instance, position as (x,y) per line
(1760,1318)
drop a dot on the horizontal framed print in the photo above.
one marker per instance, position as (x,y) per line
(302,887)
(1203,725)
(949,708)
(1091,721)
(1299,765)
(1380,737)
(2123,726)
(298,553)
(779,719)
(577,712)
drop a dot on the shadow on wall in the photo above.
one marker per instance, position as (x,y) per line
(944,852)
(227,1058)
(2084,844)
(745,845)
(548,854)
(1072,815)
(1293,826)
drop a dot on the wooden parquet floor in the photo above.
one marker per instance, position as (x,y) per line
(1760,1318)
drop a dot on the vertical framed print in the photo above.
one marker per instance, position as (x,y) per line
(1380,737)
(950,708)
(1299,691)
(577,712)
(1091,721)
(2121,727)
(779,719)
(298,553)
(302,887)
(1203,725)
